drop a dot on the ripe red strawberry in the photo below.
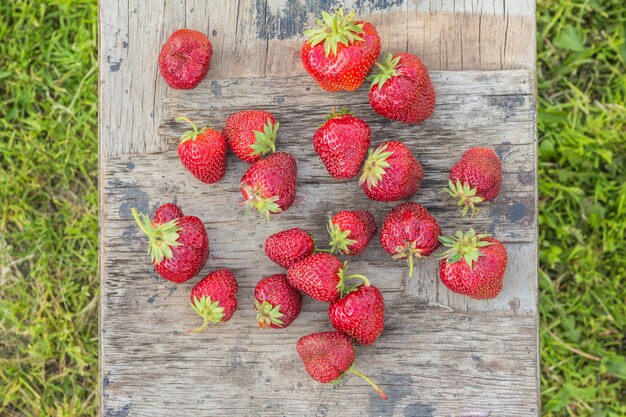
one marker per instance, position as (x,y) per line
(402,90)
(185,59)
(328,356)
(391,173)
(289,246)
(251,134)
(203,153)
(178,246)
(341,52)
(214,298)
(351,231)
(475,178)
(474,265)
(342,143)
(360,314)
(269,185)
(410,231)
(321,276)
(277,303)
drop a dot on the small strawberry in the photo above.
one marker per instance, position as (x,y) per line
(402,90)
(289,246)
(342,143)
(251,134)
(178,246)
(277,303)
(475,178)
(351,231)
(341,52)
(410,231)
(321,276)
(203,153)
(474,265)
(269,185)
(328,356)
(214,298)
(360,314)
(185,59)
(391,173)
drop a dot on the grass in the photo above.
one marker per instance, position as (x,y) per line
(48,215)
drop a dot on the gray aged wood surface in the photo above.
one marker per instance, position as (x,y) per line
(441,354)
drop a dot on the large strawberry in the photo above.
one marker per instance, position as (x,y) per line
(203,152)
(341,51)
(321,276)
(289,246)
(276,302)
(391,173)
(178,246)
(351,231)
(360,314)
(214,298)
(342,143)
(409,231)
(475,178)
(328,356)
(251,134)
(269,185)
(473,265)
(185,59)
(402,90)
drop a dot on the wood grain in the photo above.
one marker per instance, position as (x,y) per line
(441,354)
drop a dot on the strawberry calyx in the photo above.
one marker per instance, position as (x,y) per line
(163,236)
(335,29)
(344,111)
(465,246)
(466,195)
(342,286)
(339,241)
(265,141)
(267,314)
(264,205)
(409,251)
(374,166)
(190,134)
(352,370)
(211,312)
(384,71)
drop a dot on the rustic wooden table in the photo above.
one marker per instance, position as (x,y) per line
(441,354)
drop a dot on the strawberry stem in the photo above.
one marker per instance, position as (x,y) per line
(205,324)
(163,236)
(410,265)
(369,381)
(191,134)
(323,250)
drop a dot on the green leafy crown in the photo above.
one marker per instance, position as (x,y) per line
(335,29)
(211,312)
(265,141)
(374,166)
(466,195)
(464,246)
(163,236)
(339,241)
(267,314)
(384,71)
(190,134)
(264,205)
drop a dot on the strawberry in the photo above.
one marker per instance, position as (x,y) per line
(351,231)
(391,173)
(328,356)
(214,298)
(289,246)
(203,153)
(341,51)
(269,185)
(410,231)
(321,276)
(277,303)
(178,246)
(342,144)
(475,178)
(473,265)
(251,134)
(402,90)
(185,59)
(360,314)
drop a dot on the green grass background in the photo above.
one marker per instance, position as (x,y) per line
(48,207)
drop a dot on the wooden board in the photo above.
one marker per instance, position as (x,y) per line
(441,354)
